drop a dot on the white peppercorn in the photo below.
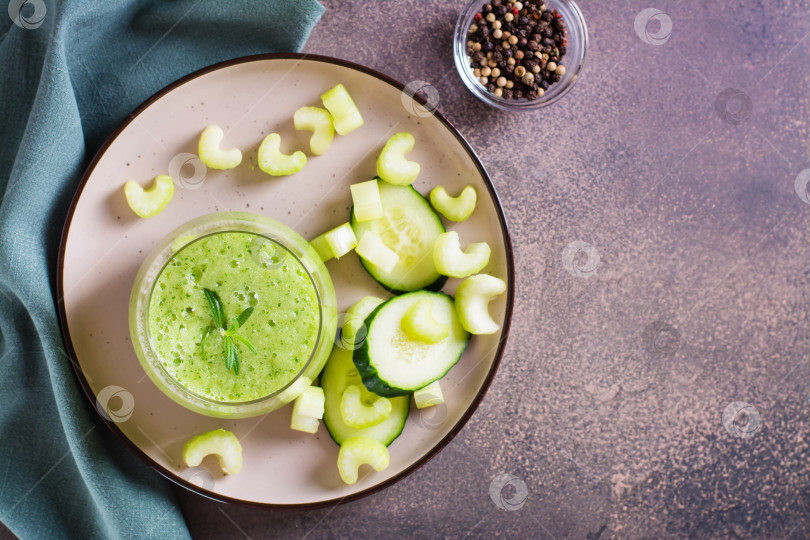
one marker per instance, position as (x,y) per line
(551,66)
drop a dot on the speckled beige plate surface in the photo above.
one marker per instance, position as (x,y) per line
(104,243)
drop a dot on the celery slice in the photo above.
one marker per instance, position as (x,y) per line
(335,243)
(419,323)
(308,410)
(454,208)
(221,443)
(451,261)
(353,332)
(149,202)
(274,162)
(357,451)
(429,396)
(361,409)
(210,152)
(373,250)
(472,303)
(340,105)
(392,165)
(307,424)
(319,122)
(366,200)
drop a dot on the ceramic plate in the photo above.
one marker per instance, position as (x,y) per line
(104,243)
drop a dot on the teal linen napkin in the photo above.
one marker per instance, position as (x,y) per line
(71,70)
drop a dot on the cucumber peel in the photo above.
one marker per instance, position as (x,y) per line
(419,323)
(212,155)
(454,208)
(149,202)
(274,162)
(472,303)
(392,165)
(359,451)
(451,261)
(220,442)
(319,122)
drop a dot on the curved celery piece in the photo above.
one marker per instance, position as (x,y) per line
(340,105)
(366,201)
(429,396)
(392,165)
(361,409)
(451,261)
(149,202)
(472,303)
(275,163)
(220,442)
(319,122)
(454,208)
(335,243)
(212,154)
(353,329)
(372,249)
(419,323)
(357,451)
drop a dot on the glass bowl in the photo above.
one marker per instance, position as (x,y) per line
(573,60)
(276,242)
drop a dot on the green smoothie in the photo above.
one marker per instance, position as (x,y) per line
(245,270)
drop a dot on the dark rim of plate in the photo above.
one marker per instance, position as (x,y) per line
(172,475)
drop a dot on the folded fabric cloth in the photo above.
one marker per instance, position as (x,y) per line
(72,71)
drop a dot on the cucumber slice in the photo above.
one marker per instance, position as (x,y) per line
(409,227)
(319,122)
(375,252)
(429,396)
(338,375)
(212,155)
(472,303)
(359,451)
(335,243)
(344,112)
(360,409)
(420,324)
(454,208)
(366,200)
(451,261)
(393,364)
(219,442)
(392,165)
(149,202)
(274,162)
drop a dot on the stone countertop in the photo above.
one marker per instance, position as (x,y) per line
(656,381)
(674,166)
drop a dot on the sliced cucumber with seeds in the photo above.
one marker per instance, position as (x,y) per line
(359,451)
(409,227)
(393,364)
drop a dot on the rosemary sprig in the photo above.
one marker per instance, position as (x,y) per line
(228,334)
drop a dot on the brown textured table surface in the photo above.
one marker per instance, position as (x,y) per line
(677,170)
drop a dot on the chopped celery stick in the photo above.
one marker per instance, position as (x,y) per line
(344,112)
(149,202)
(366,199)
(210,152)
(310,403)
(454,208)
(429,396)
(472,303)
(219,442)
(451,261)
(357,451)
(361,409)
(372,249)
(335,243)
(273,162)
(419,323)
(319,122)
(392,165)
(307,424)
(353,330)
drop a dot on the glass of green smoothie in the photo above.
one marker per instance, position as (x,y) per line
(233,315)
